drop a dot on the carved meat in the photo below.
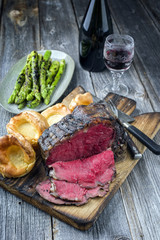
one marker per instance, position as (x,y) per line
(55,192)
(89,172)
(79,180)
(43,189)
(73,192)
(89,130)
(80,151)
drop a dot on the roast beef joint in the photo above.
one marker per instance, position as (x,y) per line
(80,153)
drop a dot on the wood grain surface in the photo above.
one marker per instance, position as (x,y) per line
(133,212)
(83,217)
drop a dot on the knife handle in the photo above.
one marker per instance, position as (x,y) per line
(132,147)
(149,143)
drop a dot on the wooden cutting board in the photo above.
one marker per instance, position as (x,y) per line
(83,217)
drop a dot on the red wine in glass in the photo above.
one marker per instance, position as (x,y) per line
(118,55)
(118,59)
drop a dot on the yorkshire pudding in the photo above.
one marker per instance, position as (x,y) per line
(81,99)
(55,113)
(17,156)
(30,124)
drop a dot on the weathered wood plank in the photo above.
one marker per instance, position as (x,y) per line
(141,197)
(153,8)
(18,36)
(104,228)
(148,73)
(134,20)
(19,31)
(21,221)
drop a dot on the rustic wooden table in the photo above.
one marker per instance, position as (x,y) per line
(133,212)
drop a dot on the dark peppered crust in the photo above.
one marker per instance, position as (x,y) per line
(82,118)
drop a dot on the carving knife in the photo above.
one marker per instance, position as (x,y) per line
(143,138)
(130,144)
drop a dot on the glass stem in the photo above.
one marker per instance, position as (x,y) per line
(116,79)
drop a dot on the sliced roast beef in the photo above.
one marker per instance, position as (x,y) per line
(79,180)
(65,195)
(97,191)
(80,152)
(68,191)
(73,192)
(88,172)
(43,189)
(89,130)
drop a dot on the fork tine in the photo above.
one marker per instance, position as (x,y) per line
(113,107)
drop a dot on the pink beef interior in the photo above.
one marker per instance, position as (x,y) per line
(68,191)
(65,193)
(43,189)
(89,172)
(73,192)
(83,144)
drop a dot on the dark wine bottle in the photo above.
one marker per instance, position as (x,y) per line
(96,26)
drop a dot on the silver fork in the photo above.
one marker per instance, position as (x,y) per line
(130,144)
(113,107)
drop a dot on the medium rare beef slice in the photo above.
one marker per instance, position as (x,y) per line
(97,191)
(67,191)
(89,172)
(73,192)
(89,130)
(44,191)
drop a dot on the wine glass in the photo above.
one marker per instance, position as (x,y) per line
(118,55)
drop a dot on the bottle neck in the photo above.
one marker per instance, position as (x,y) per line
(89,13)
(97,16)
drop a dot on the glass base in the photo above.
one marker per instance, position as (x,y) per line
(121,89)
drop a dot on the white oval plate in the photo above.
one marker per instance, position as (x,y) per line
(7,84)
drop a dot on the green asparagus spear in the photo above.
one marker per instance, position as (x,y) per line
(22,105)
(43,88)
(16,99)
(43,73)
(40,58)
(34,103)
(47,55)
(49,64)
(27,85)
(52,71)
(18,85)
(34,65)
(56,80)
(30,96)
